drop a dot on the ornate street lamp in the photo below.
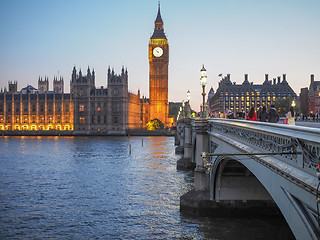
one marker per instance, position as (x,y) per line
(293,104)
(188,111)
(203,82)
(188,96)
(183,109)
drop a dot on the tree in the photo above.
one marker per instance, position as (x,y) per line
(283,105)
(155,124)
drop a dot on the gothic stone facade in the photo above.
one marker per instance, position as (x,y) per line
(85,110)
(113,110)
(32,109)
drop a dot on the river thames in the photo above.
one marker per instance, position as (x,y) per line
(94,188)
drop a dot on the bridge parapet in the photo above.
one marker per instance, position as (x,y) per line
(270,137)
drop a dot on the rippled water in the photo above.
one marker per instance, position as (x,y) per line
(93,188)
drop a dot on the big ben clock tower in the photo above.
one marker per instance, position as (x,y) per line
(158,72)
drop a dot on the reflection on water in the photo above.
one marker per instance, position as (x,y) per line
(92,187)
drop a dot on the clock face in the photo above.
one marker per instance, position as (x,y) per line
(157,52)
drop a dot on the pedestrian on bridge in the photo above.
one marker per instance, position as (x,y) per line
(290,116)
(252,115)
(263,115)
(273,115)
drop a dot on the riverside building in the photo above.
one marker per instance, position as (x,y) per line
(241,97)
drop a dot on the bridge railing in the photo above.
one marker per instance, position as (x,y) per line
(273,137)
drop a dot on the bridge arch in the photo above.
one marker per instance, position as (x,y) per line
(232,184)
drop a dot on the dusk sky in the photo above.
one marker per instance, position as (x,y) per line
(48,38)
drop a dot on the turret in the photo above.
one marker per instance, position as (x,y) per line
(58,85)
(13,87)
(43,85)
(74,74)
(80,75)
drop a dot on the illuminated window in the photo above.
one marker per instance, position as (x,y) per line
(81,107)
(81,120)
(99,109)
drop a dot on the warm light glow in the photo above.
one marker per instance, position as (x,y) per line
(293,104)
(188,96)
(158,41)
(203,78)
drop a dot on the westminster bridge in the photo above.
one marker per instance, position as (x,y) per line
(252,168)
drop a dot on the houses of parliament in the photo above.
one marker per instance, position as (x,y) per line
(87,109)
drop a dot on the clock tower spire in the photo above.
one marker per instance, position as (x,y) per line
(158,72)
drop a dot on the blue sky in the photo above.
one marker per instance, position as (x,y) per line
(47,38)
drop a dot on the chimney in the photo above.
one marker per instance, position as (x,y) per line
(284,77)
(274,81)
(246,77)
(266,77)
(312,78)
(279,79)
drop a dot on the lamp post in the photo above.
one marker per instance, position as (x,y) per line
(188,112)
(183,109)
(203,82)
(293,104)
(188,96)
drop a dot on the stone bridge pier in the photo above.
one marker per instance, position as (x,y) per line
(186,162)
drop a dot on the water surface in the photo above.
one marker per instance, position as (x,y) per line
(93,188)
